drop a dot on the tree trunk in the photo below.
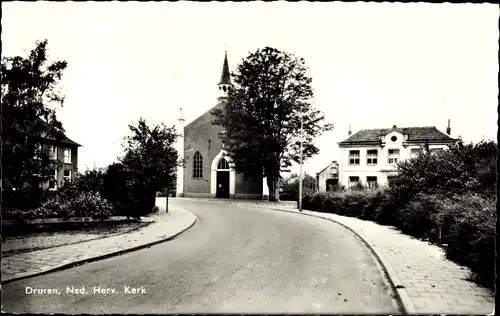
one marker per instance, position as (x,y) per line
(273,186)
(270,186)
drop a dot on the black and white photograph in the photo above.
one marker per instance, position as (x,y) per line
(249,157)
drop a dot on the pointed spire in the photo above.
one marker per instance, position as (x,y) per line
(226,76)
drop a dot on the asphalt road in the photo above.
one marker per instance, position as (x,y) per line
(234,260)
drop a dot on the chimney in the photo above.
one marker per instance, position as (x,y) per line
(349,132)
(448,129)
(394,126)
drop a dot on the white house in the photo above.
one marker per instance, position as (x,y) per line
(369,156)
(328,176)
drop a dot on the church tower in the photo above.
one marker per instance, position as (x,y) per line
(180,150)
(225,84)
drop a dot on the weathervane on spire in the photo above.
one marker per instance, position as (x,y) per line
(225,47)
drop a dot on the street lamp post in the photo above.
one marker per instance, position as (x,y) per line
(301,157)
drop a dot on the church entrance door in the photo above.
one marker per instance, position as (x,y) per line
(222,185)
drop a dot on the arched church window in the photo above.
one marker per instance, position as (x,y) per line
(198,166)
(224,88)
(223,164)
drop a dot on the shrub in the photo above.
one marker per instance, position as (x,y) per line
(306,203)
(461,169)
(83,205)
(417,217)
(468,225)
(91,181)
(354,201)
(88,204)
(359,186)
(25,198)
(349,203)
(289,188)
(376,202)
(55,207)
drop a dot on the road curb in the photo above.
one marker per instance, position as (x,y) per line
(101,257)
(402,296)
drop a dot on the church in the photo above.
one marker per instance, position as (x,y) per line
(208,172)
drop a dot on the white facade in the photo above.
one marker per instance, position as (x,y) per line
(330,172)
(179,146)
(366,162)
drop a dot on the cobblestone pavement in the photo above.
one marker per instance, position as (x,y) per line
(425,280)
(164,226)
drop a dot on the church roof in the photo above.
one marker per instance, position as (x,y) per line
(429,133)
(226,76)
(207,113)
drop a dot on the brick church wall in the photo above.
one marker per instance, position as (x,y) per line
(201,135)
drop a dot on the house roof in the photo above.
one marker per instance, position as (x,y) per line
(332,163)
(40,125)
(414,134)
(60,138)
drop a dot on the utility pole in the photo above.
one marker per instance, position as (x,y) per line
(301,157)
(166,205)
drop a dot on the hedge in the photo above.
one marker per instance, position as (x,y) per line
(85,204)
(464,223)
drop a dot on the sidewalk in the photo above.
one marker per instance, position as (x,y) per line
(425,280)
(165,226)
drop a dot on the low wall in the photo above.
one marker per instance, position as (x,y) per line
(22,227)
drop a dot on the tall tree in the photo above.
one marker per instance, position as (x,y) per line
(150,161)
(30,94)
(262,117)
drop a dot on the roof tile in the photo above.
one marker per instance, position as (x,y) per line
(414,134)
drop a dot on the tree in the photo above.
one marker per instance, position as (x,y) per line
(462,168)
(29,96)
(262,117)
(150,163)
(290,187)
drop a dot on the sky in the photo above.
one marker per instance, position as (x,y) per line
(373,65)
